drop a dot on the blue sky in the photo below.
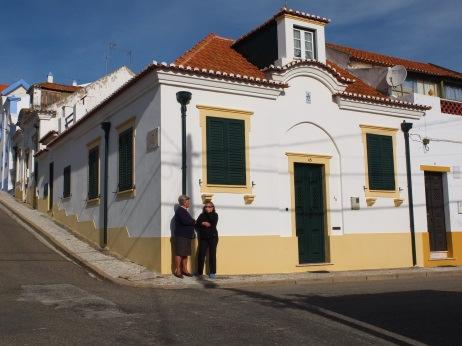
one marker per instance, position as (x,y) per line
(70,38)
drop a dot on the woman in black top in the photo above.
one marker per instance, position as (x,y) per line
(206,225)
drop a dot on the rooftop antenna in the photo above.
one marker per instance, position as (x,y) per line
(396,75)
(111,47)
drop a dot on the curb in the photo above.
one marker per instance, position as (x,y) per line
(329,278)
(58,246)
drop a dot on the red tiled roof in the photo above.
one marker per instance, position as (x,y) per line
(58,87)
(386,60)
(215,53)
(451,107)
(3,87)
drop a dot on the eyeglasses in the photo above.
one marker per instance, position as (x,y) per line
(209,206)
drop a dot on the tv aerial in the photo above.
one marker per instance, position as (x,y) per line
(396,75)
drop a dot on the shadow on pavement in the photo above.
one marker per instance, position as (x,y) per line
(427,316)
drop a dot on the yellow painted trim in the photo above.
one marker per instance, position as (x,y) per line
(306,20)
(227,113)
(94,143)
(323,160)
(126,124)
(454,243)
(126,194)
(93,202)
(130,123)
(435,168)
(384,131)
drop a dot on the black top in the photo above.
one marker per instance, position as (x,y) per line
(184,223)
(207,232)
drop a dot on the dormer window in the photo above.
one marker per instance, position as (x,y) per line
(303,44)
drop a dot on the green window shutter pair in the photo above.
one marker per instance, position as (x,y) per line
(93,173)
(126,160)
(67,182)
(380,162)
(225,151)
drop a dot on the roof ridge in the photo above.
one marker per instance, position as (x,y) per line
(376,53)
(190,53)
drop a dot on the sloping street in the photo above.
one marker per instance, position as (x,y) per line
(47,299)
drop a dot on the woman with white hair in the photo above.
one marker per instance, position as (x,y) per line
(184,232)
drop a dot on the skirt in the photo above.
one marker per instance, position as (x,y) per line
(182,246)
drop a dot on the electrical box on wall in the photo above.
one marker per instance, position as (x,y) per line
(354,203)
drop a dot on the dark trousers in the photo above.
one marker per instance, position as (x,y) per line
(211,245)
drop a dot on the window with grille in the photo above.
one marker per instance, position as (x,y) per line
(126,160)
(93,173)
(67,182)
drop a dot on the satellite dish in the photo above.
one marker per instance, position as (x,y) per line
(396,75)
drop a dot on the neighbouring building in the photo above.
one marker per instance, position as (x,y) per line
(54,108)
(13,98)
(304,160)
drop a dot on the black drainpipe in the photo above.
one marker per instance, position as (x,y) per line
(405,127)
(106,126)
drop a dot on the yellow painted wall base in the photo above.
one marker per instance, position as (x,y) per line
(18,194)
(454,240)
(269,254)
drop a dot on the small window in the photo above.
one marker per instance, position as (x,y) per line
(304,44)
(67,182)
(226,151)
(453,92)
(93,173)
(380,161)
(126,160)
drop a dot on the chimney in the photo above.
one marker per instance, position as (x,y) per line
(74,83)
(50,77)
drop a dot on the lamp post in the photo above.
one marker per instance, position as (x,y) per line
(183,98)
(405,127)
(106,126)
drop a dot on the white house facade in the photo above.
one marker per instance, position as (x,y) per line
(304,161)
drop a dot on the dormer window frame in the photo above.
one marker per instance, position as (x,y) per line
(302,30)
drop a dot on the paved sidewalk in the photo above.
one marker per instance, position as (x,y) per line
(124,272)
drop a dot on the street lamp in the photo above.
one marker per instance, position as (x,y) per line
(183,98)
(405,127)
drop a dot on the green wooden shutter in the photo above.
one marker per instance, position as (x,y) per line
(236,152)
(225,151)
(380,162)
(67,182)
(126,160)
(93,173)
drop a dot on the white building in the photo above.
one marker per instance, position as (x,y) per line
(13,98)
(55,108)
(304,161)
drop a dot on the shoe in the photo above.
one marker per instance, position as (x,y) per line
(212,276)
(187,274)
(178,275)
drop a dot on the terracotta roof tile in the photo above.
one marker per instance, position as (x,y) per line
(3,87)
(386,60)
(58,87)
(215,53)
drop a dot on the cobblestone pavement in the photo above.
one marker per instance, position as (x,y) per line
(125,272)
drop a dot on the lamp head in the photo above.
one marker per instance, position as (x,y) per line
(183,97)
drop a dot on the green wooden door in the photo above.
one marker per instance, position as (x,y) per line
(309,212)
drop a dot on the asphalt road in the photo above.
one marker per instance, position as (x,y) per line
(45,299)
